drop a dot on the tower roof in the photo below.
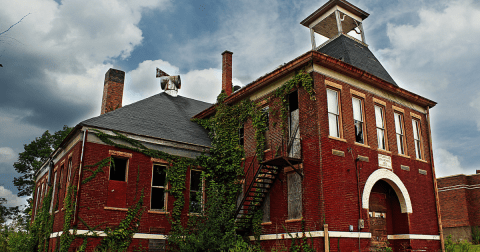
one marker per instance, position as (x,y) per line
(356,54)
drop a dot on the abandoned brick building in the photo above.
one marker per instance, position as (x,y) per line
(355,168)
(459,197)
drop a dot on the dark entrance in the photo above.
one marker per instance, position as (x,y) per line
(385,216)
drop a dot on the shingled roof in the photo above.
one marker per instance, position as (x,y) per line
(356,54)
(159,116)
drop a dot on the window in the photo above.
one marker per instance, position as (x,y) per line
(69,171)
(118,171)
(294,130)
(333,113)
(195,191)
(37,201)
(241,135)
(266,119)
(416,138)
(380,122)
(57,202)
(265,115)
(158,194)
(399,132)
(294,196)
(69,174)
(53,193)
(357,105)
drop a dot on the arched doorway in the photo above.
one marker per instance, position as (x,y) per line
(386,199)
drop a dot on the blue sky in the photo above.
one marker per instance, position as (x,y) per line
(54,61)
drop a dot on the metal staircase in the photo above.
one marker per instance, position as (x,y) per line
(260,178)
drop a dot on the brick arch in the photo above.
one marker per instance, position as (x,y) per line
(394,181)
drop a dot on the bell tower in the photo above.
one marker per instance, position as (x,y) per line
(334,18)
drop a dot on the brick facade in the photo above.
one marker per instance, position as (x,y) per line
(460,204)
(330,193)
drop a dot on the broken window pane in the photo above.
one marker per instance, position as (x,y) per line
(118,169)
(157,198)
(195,192)
(358,119)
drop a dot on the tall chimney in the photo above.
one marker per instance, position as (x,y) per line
(227,72)
(112,90)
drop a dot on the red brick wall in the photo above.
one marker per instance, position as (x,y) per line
(459,200)
(112,90)
(330,182)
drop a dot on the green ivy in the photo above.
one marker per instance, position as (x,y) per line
(42,225)
(302,79)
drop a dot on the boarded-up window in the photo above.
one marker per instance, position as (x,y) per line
(266,209)
(294,196)
(195,191)
(158,187)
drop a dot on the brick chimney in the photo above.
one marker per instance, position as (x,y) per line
(478,171)
(227,72)
(112,90)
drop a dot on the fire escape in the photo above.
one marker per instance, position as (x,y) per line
(261,176)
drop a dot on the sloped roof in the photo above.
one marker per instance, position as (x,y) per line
(357,55)
(159,116)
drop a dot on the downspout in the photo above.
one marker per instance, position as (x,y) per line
(75,215)
(435,187)
(359,203)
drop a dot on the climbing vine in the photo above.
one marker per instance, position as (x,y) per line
(214,227)
(42,225)
(300,79)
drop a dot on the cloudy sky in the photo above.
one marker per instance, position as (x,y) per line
(55,59)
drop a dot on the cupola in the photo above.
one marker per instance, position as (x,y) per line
(334,18)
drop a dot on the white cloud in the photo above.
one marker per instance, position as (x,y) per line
(444,42)
(446,163)
(7,155)
(12,199)
(142,82)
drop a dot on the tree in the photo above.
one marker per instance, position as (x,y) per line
(32,158)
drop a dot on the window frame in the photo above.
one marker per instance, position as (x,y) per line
(401,122)
(384,122)
(338,116)
(59,188)
(127,165)
(201,189)
(164,187)
(53,193)
(416,123)
(362,113)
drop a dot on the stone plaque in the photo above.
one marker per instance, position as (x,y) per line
(384,161)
